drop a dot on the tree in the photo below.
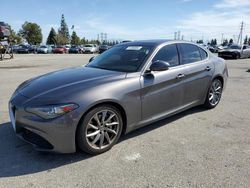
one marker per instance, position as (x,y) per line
(15,38)
(32,32)
(75,40)
(215,42)
(63,31)
(246,40)
(249,41)
(231,41)
(51,40)
(199,42)
(225,42)
(83,40)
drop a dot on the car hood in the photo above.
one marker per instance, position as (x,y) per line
(89,47)
(230,50)
(65,78)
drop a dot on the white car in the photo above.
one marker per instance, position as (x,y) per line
(90,48)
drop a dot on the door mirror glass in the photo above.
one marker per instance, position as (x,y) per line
(159,65)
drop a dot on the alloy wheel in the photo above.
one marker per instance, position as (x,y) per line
(102,129)
(215,92)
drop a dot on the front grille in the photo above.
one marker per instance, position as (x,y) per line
(35,139)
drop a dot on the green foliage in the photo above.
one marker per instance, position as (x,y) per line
(83,41)
(199,41)
(51,40)
(213,42)
(31,32)
(15,38)
(231,41)
(225,42)
(63,32)
(61,40)
(75,40)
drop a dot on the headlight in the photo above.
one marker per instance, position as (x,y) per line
(53,111)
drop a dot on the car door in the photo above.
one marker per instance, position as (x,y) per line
(162,91)
(245,52)
(198,71)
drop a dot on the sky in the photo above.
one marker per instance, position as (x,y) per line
(134,19)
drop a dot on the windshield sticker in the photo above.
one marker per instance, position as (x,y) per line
(134,48)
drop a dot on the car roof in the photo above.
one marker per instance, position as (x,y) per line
(154,42)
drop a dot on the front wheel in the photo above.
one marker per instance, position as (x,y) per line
(214,94)
(100,129)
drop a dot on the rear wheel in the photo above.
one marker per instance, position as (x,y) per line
(99,130)
(214,94)
(237,56)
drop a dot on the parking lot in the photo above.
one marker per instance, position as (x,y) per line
(197,148)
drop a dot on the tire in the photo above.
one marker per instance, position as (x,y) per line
(96,138)
(237,56)
(214,94)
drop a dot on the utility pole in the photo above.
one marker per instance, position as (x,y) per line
(175,35)
(222,38)
(241,33)
(179,35)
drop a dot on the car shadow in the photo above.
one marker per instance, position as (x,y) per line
(19,158)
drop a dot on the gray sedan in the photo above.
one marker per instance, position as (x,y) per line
(128,86)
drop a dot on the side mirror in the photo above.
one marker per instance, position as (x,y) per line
(159,65)
(91,59)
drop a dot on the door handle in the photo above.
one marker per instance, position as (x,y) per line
(180,76)
(207,68)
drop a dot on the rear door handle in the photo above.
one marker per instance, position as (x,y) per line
(207,68)
(180,76)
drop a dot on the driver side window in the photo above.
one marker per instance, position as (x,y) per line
(169,54)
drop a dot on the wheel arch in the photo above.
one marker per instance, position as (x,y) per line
(112,103)
(219,77)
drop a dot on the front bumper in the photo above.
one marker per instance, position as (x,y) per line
(56,135)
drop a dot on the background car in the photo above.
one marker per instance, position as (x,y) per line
(44,49)
(26,49)
(67,46)
(90,48)
(15,48)
(75,50)
(60,50)
(103,48)
(235,51)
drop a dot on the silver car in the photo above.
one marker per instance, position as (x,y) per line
(128,86)
(90,48)
(235,52)
(44,49)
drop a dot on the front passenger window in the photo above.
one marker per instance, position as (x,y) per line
(169,54)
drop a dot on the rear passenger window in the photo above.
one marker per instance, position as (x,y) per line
(189,53)
(203,54)
(169,54)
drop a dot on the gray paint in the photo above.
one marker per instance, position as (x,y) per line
(144,97)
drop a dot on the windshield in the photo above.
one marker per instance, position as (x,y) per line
(43,46)
(88,45)
(234,47)
(122,58)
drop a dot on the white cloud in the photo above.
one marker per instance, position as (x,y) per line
(232,3)
(212,23)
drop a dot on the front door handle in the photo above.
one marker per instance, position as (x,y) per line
(207,68)
(180,76)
